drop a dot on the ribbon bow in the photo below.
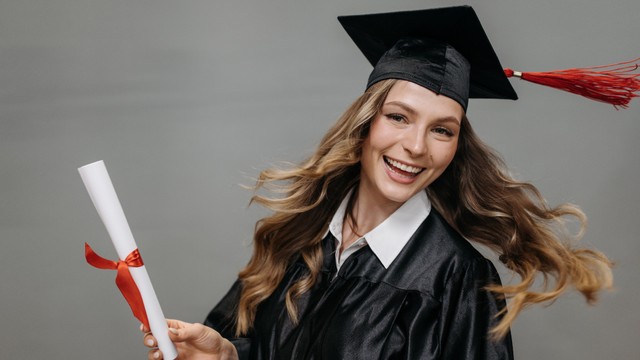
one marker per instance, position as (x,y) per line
(124,281)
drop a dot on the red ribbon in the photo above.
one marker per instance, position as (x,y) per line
(124,280)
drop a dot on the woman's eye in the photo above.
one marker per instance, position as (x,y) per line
(395,117)
(443,131)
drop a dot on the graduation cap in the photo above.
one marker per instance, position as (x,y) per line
(447,51)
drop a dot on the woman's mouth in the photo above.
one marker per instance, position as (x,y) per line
(401,168)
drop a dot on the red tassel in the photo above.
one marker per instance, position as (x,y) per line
(615,84)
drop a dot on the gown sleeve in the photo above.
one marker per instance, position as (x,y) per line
(469,313)
(222,318)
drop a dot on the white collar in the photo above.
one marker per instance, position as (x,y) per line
(388,238)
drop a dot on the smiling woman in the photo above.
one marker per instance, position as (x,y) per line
(411,142)
(366,254)
(356,250)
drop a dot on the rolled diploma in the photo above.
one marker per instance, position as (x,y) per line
(103,195)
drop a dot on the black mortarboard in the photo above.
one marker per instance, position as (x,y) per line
(445,50)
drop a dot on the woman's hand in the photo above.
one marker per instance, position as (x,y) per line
(193,341)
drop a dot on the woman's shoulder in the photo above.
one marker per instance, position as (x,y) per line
(436,240)
(436,255)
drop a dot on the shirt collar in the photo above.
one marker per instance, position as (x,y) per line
(388,238)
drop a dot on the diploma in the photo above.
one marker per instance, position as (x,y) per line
(104,198)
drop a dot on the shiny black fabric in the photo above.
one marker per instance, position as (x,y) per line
(429,63)
(457,26)
(429,304)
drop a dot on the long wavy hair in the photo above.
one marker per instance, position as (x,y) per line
(475,195)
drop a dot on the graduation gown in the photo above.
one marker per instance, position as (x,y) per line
(429,304)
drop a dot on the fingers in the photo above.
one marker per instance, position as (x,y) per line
(176,324)
(144,328)
(197,338)
(203,340)
(192,332)
(149,341)
(179,335)
(154,355)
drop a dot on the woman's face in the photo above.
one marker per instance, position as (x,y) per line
(411,142)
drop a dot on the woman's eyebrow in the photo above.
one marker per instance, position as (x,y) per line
(449,119)
(402,105)
(412,111)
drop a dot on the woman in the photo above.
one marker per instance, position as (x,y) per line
(366,254)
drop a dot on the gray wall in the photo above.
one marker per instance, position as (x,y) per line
(185,100)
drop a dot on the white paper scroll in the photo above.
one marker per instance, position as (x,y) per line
(103,195)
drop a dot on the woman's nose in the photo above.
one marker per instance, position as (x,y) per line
(415,143)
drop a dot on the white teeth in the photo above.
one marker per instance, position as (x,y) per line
(403,167)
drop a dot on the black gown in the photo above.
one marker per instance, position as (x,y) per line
(429,304)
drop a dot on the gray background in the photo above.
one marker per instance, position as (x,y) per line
(185,100)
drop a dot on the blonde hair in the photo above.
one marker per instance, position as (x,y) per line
(475,195)
(309,195)
(479,199)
